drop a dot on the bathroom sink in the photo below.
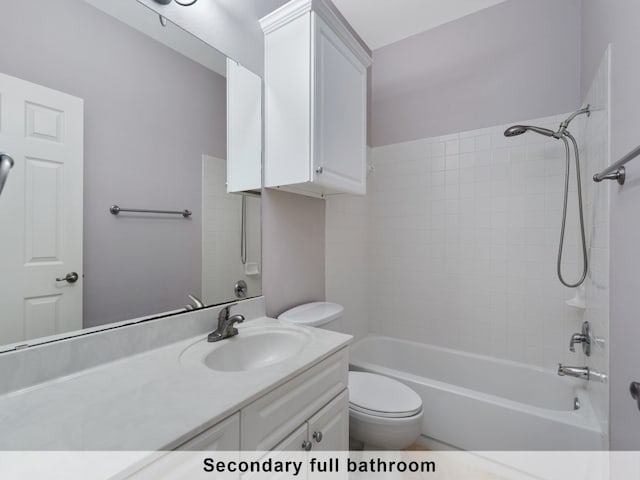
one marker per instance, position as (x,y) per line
(253,348)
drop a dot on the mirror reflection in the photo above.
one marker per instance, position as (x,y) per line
(100,105)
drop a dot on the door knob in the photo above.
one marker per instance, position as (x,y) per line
(634,389)
(69,278)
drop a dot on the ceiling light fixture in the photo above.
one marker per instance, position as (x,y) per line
(184,3)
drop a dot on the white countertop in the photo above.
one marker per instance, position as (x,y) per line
(150,401)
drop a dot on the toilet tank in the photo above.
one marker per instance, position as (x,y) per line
(325,315)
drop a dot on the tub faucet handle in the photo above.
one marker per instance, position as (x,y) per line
(583,338)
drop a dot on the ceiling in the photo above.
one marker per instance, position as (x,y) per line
(381,22)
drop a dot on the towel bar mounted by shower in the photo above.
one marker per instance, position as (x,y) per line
(616,171)
(115,210)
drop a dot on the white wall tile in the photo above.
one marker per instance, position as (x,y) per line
(456,243)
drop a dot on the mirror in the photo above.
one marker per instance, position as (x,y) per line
(102,106)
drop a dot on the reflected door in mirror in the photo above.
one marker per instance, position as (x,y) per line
(40,211)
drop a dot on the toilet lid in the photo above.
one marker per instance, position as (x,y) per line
(313,314)
(382,396)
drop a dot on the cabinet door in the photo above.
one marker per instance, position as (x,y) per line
(293,443)
(244,129)
(340,113)
(289,449)
(329,428)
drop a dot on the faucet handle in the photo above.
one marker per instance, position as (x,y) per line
(196,303)
(224,313)
(583,338)
(575,338)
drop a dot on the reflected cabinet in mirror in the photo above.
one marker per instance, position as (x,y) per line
(101,105)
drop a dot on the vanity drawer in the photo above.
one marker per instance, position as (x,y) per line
(268,420)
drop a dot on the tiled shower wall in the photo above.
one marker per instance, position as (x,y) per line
(221,230)
(460,234)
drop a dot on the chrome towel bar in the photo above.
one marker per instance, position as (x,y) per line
(115,210)
(616,171)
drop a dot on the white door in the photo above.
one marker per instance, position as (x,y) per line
(40,211)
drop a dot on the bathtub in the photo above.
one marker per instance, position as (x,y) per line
(476,402)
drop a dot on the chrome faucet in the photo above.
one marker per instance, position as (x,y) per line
(195,304)
(578,372)
(225,325)
(583,338)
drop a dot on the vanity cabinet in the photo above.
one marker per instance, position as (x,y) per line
(270,419)
(308,412)
(315,101)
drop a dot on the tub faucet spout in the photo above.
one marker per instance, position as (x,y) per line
(579,372)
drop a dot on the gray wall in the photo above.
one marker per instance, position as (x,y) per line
(615,22)
(519,59)
(149,116)
(293,250)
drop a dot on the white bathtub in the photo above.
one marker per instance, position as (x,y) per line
(475,402)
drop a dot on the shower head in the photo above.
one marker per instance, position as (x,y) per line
(520,129)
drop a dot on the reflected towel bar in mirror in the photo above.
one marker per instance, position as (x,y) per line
(115,210)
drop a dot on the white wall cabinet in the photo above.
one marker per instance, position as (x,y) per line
(315,101)
(244,129)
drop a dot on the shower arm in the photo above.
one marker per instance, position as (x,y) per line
(565,124)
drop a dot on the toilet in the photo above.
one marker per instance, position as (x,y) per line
(383,413)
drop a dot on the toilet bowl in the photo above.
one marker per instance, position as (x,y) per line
(383,413)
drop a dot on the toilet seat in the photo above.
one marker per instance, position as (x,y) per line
(383,397)
(374,413)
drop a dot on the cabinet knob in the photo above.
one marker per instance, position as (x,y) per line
(306,445)
(319,170)
(317,436)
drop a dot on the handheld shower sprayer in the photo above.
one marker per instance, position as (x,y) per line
(562,134)
(520,129)
(6,163)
